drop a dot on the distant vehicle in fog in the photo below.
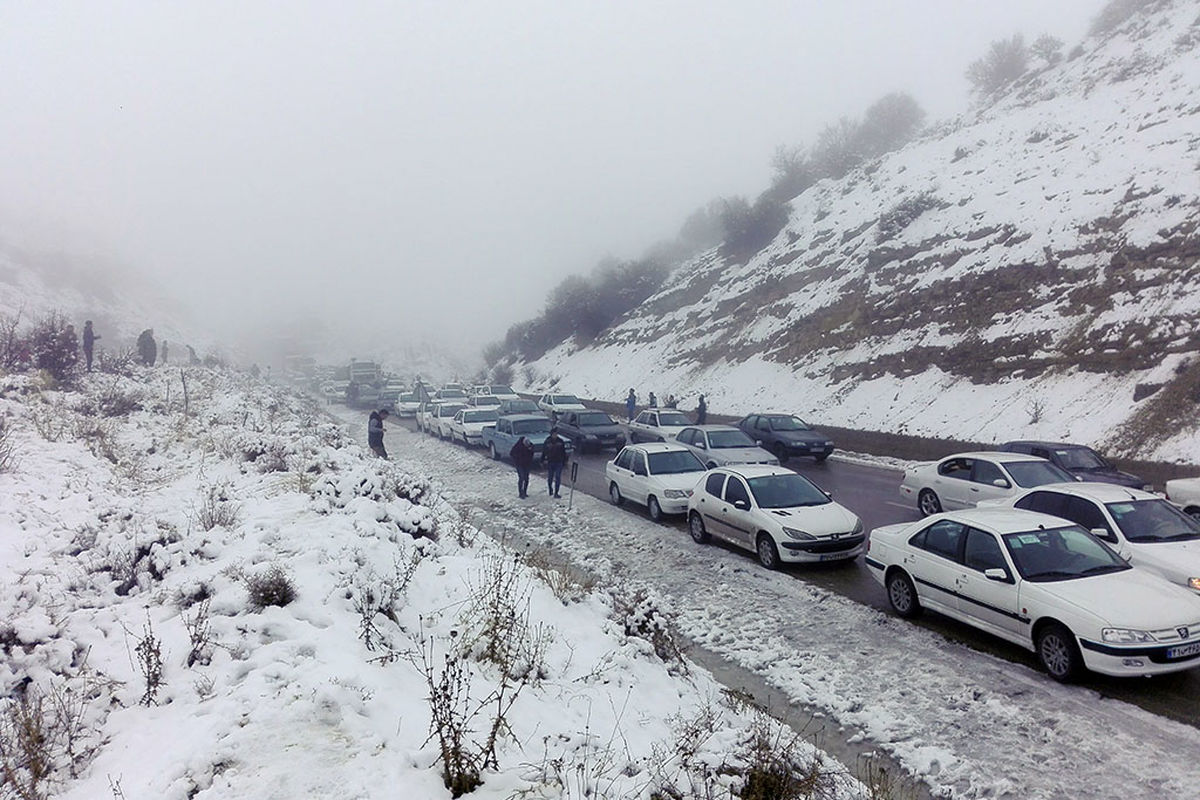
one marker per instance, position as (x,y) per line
(555,404)
(467,425)
(786,435)
(1081,461)
(590,430)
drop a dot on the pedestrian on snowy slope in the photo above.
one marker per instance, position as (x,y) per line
(554,453)
(701,411)
(163,350)
(89,343)
(147,347)
(630,404)
(522,458)
(375,432)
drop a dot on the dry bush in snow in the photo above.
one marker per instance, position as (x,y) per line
(641,615)
(270,588)
(217,509)
(8,446)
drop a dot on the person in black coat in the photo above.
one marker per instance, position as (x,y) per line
(554,453)
(375,432)
(522,458)
(89,343)
(147,347)
(701,411)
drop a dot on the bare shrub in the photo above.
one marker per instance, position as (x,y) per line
(905,213)
(641,616)
(883,783)
(1005,61)
(199,632)
(375,596)
(14,350)
(1047,48)
(217,509)
(1036,409)
(270,588)
(568,584)
(117,362)
(8,446)
(778,768)
(150,660)
(1116,13)
(54,347)
(496,622)
(50,423)
(112,399)
(44,737)
(99,435)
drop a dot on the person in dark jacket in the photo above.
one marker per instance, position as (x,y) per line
(375,432)
(653,401)
(89,343)
(147,347)
(554,453)
(163,351)
(701,411)
(630,404)
(522,458)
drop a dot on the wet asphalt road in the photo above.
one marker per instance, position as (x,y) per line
(872,492)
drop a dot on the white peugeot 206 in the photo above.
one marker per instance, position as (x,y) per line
(660,476)
(1043,583)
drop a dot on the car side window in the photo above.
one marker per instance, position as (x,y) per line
(956,468)
(982,551)
(700,440)
(685,436)
(1087,515)
(1041,452)
(639,463)
(503,426)
(987,472)
(713,483)
(736,490)
(1051,503)
(643,418)
(623,459)
(942,538)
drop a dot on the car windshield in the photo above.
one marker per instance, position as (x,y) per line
(786,491)
(522,407)
(1060,554)
(449,410)
(595,420)
(565,400)
(788,423)
(480,416)
(528,426)
(1153,521)
(673,420)
(675,462)
(1083,458)
(452,393)
(407,398)
(1036,473)
(501,389)
(733,438)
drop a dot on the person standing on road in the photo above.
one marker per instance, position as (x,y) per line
(630,404)
(522,458)
(554,453)
(375,432)
(701,411)
(653,401)
(672,402)
(89,343)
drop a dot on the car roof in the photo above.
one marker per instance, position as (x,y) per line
(1002,519)
(1095,490)
(659,447)
(715,427)
(517,417)
(1040,443)
(994,455)
(755,470)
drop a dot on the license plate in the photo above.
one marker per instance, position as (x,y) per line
(831,557)
(1184,651)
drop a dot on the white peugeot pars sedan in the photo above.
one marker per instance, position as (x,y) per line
(660,476)
(772,511)
(1043,583)
(966,479)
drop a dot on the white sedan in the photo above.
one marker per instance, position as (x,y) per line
(555,404)
(657,425)
(1042,583)
(440,416)
(467,425)
(659,476)
(772,511)
(1142,527)
(720,445)
(1185,493)
(966,479)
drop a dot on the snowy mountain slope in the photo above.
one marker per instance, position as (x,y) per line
(1029,269)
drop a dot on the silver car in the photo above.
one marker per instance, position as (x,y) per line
(721,445)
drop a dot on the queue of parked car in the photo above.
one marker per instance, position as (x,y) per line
(1043,544)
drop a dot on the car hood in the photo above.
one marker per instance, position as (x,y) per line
(602,430)
(802,436)
(1177,560)
(1130,599)
(1106,475)
(821,520)
(739,455)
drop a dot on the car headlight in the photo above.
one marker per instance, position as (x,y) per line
(590,436)
(796,533)
(1125,635)
(676,493)
(829,444)
(1194,583)
(858,527)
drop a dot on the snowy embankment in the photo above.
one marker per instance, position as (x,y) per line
(969,724)
(237,601)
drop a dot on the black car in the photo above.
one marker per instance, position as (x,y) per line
(590,430)
(1081,461)
(508,407)
(786,435)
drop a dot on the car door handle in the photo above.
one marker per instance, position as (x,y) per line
(973,489)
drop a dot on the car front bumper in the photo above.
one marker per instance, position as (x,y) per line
(673,506)
(844,547)
(1134,660)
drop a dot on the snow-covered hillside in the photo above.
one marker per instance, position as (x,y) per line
(1029,269)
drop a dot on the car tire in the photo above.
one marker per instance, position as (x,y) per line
(928,503)
(654,509)
(1058,652)
(614,494)
(902,595)
(1193,512)
(768,553)
(493,452)
(696,528)
(822,457)
(780,452)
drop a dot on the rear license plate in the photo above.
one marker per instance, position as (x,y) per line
(1184,651)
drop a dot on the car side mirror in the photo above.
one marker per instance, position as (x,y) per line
(997,574)
(639,470)
(1003,484)
(758,442)
(743,505)
(829,495)
(702,445)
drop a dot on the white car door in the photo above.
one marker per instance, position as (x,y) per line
(932,559)
(639,479)
(952,483)
(992,604)
(620,472)
(988,482)
(738,513)
(709,503)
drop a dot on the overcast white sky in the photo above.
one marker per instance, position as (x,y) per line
(407,167)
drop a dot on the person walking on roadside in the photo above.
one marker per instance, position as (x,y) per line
(146,346)
(630,404)
(89,343)
(701,411)
(653,401)
(522,458)
(554,453)
(375,432)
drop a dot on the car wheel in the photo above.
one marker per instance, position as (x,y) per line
(822,457)
(492,451)
(768,553)
(654,509)
(1058,652)
(614,494)
(902,595)
(696,528)
(928,503)
(1193,512)
(781,452)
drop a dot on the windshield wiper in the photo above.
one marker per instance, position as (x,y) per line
(1181,537)
(1054,573)
(1104,568)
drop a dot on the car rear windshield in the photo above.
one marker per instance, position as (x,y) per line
(522,407)
(486,400)
(480,416)
(788,424)
(1153,521)
(1028,474)
(734,438)
(408,398)
(527,426)
(594,420)
(675,420)
(786,491)
(675,462)
(501,389)
(1080,458)
(565,400)
(449,409)
(1061,554)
